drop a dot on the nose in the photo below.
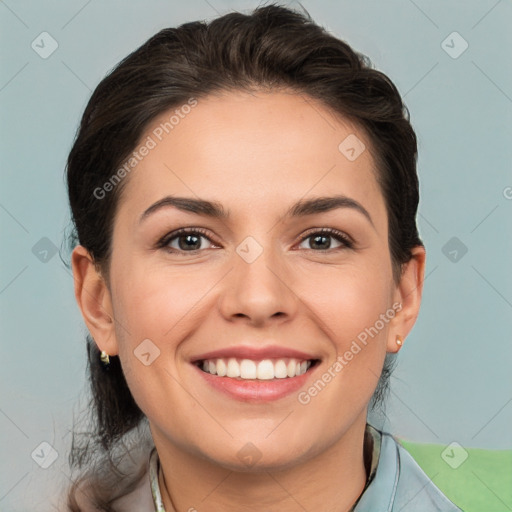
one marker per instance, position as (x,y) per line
(258,292)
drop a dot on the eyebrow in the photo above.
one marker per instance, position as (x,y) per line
(215,210)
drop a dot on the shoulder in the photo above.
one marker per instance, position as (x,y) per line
(399,484)
(415,491)
(139,499)
(127,489)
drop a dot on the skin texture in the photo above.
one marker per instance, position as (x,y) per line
(256,154)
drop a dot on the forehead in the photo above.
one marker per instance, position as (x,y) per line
(260,150)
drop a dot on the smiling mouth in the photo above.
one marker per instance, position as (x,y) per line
(249,369)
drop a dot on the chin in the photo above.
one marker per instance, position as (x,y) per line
(251,459)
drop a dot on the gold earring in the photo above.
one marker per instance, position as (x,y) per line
(105,359)
(399,341)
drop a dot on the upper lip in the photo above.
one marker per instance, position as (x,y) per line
(256,353)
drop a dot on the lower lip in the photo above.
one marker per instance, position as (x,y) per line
(256,390)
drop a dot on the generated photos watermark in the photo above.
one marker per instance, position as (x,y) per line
(361,341)
(144,149)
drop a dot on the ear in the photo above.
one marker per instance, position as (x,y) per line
(94,300)
(408,293)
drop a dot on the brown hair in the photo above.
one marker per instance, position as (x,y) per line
(272,48)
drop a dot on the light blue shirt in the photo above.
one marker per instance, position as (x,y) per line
(400,485)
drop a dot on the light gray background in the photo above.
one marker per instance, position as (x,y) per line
(454,379)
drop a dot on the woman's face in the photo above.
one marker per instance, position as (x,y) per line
(258,285)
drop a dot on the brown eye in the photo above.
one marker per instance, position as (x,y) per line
(322,240)
(185,240)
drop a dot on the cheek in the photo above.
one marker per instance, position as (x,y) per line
(155,311)
(155,303)
(348,301)
(350,306)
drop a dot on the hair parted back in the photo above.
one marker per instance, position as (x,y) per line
(272,48)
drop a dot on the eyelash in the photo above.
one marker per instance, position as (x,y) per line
(163,243)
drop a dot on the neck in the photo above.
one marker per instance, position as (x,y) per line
(333,480)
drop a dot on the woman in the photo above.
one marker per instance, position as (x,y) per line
(248,265)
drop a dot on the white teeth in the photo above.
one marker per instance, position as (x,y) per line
(280,369)
(291,367)
(221,368)
(233,368)
(248,369)
(266,369)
